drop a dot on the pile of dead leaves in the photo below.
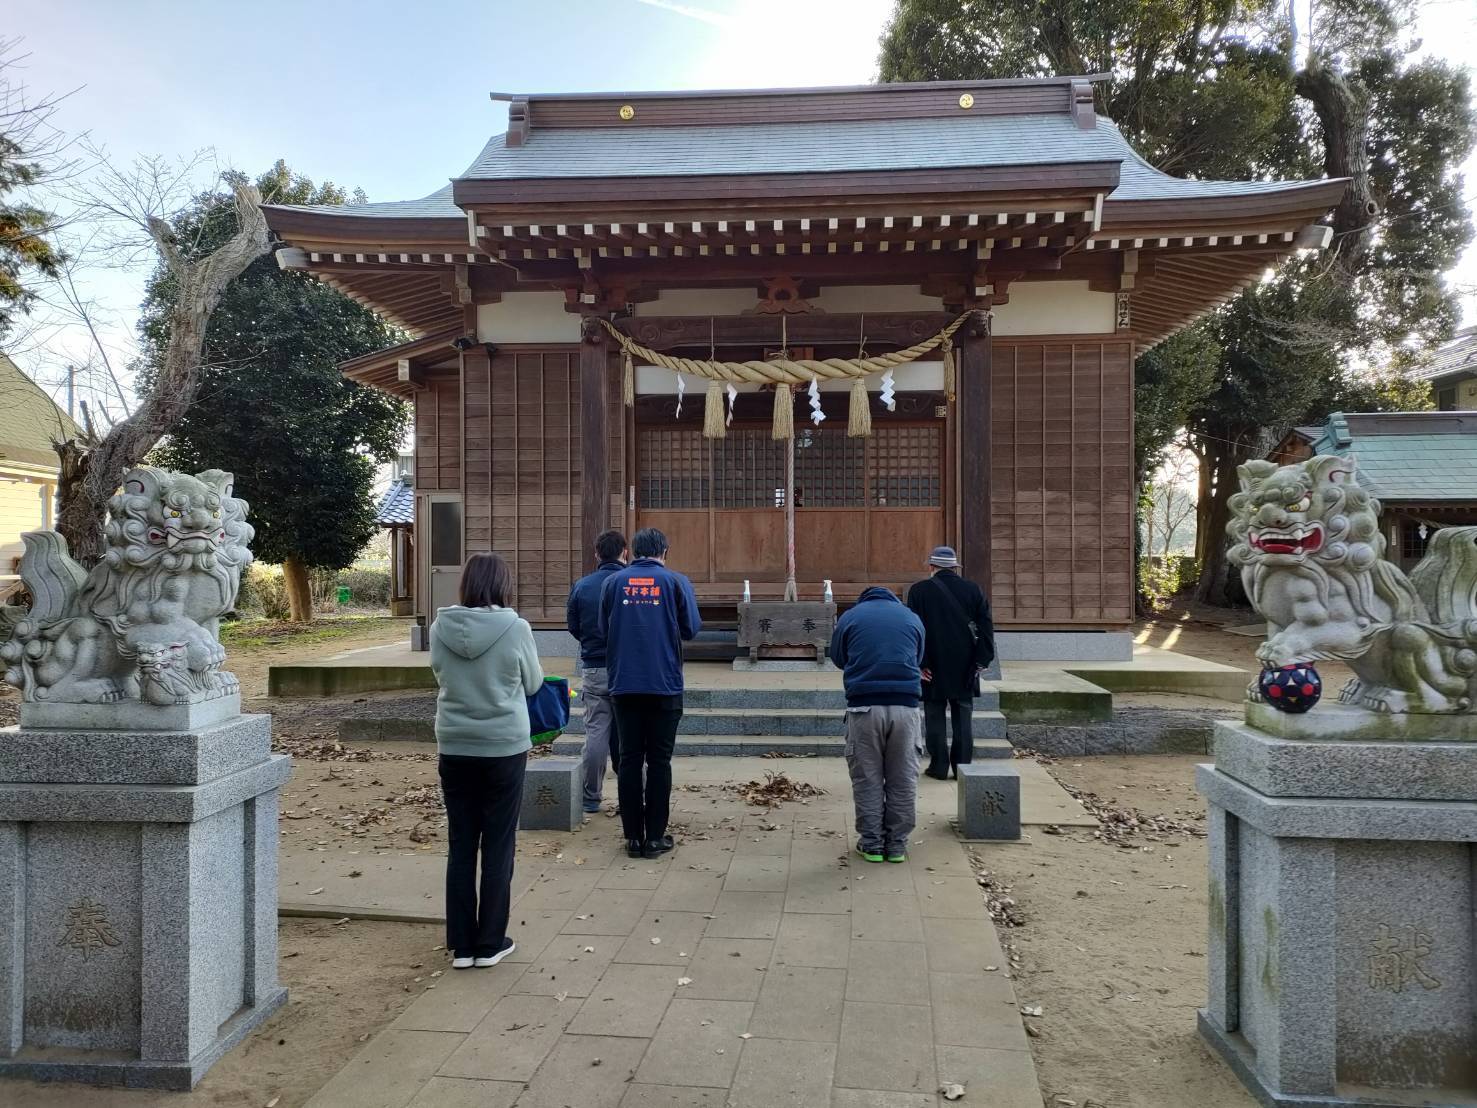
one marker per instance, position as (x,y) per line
(1119,823)
(774,790)
(1002,906)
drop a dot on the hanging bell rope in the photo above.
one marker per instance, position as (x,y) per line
(783,372)
(859,409)
(950,372)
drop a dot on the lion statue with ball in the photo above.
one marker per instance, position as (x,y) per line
(144,624)
(1307,539)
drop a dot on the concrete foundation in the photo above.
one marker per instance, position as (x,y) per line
(1342,952)
(138,894)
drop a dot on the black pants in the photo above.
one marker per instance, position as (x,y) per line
(483,796)
(942,756)
(647,726)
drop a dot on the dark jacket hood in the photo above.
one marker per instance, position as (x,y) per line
(471,632)
(877,592)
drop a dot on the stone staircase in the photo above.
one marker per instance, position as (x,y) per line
(732,721)
(757,721)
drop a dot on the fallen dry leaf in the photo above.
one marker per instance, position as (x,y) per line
(681,981)
(951,1091)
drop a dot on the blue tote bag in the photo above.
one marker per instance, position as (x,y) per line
(548,710)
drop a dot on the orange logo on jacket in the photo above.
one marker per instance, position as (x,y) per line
(642,590)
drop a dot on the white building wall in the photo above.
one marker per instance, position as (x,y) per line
(1035,308)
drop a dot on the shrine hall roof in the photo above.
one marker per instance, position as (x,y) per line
(959,141)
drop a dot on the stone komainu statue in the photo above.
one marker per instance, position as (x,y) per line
(144,624)
(1308,541)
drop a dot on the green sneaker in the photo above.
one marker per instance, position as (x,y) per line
(868,855)
(897,857)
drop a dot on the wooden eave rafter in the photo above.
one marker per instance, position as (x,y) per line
(382,369)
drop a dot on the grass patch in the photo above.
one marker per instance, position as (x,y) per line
(248,634)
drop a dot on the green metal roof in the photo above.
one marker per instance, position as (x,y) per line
(1408,456)
(29,421)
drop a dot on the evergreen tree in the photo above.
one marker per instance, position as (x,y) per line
(1211,90)
(273,409)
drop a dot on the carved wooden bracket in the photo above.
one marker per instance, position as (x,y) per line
(783,296)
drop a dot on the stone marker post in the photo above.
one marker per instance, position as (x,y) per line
(1343,940)
(138,806)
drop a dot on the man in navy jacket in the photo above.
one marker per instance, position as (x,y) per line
(879,646)
(582,617)
(646,612)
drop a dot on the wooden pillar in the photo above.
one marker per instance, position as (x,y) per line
(972,360)
(594,437)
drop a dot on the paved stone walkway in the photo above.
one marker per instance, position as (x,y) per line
(787,972)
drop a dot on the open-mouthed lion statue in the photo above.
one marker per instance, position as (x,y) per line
(1308,541)
(144,624)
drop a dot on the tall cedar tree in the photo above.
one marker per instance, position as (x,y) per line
(24,248)
(1209,90)
(273,409)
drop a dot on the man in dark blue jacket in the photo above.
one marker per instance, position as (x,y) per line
(582,617)
(879,646)
(646,612)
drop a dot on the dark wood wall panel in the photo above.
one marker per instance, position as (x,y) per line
(438,434)
(1062,482)
(524,472)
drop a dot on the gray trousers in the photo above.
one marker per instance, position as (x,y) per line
(601,744)
(883,745)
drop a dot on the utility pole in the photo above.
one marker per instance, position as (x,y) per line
(71,390)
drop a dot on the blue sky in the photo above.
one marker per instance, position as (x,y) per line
(392,97)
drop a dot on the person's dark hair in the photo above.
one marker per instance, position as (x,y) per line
(609,545)
(486,580)
(649,543)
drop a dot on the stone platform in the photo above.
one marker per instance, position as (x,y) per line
(1343,947)
(138,879)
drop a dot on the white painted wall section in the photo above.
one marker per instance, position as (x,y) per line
(527,317)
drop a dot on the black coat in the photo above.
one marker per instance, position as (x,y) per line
(948,652)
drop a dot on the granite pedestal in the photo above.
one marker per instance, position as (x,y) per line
(1343,951)
(553,791)
(138,900)
(989,800)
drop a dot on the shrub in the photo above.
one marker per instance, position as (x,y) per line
(263,592)
(368,587)
(1161,579)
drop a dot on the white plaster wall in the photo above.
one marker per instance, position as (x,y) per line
(1054,308)
(527,317)
(917,377)
(1035,308)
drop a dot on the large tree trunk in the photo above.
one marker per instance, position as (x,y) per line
(299,591)
(1343,107)
(1217,483)
(82,504)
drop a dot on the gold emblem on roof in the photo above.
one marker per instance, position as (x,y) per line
(627,112)
(966,100)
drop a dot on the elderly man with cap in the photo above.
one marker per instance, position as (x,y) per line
(959,642)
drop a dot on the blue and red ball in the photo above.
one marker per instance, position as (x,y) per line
(1294,688)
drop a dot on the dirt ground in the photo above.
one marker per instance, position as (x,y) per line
(1112,944)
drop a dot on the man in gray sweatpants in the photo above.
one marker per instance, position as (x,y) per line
(582,617)
(879,646)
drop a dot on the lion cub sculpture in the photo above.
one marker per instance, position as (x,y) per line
(144,624)
(1308,541)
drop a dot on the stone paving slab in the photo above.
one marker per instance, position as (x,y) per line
(789,973)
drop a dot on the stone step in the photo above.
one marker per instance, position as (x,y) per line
(781,722)
(757,746)
(815,699)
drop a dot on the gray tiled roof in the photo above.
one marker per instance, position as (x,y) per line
(1456,358)
(397,505)
(1428,466)
(29,420)
(808,147)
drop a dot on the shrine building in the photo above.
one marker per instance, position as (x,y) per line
(999,234)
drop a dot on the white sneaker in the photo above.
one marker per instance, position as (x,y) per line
(483,963)
(463,963)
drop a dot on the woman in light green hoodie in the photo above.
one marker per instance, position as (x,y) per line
(486,663)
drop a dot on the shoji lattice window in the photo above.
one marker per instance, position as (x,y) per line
(673,468)
(748,469)
(906,466)
(828,468)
